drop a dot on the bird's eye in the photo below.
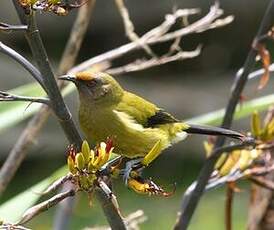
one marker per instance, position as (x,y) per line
(91,83)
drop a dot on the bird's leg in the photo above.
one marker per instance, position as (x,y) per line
(140,163)
(131,165)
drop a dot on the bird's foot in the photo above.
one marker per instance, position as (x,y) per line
(131,166)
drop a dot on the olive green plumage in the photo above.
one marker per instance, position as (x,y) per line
(135,125)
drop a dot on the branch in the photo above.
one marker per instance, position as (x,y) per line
(156,35)
(228,207)
(139,65)
(44,206)
(7,97)
(256,73)
(133,220)
(24,62)
(58,105)
(9,28)
(7,226)
(57,184)
(129,27)
(238,174)
(110,211)
(195,190)
(263,182)
(64,210)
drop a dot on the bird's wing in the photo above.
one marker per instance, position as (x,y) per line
(144,112)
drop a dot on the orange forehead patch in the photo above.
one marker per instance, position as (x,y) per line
(84,76)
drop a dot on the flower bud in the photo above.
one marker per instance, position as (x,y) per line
(255,124)
(80,161)
(86,151)
(245,159)
(230,162)
(71,165)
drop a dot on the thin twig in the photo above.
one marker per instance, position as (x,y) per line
(44,206)
(194,192)
(190,204)
(7,226)
(263,182)
(64,210)
(8,97)
(24,62)
(257,73)
(57,184)
(145,64)
(129,27)
(133,220)
(237,174)
(9,28)
(228,207)
(156,35)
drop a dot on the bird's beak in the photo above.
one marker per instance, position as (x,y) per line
(67,78)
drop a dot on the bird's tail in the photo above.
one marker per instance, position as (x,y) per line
(215,131)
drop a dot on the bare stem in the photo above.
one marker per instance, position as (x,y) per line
(263,182)
(194,192)
(228,207)
(10,28)
(11,97)
(139,65)
(129,27)
(44,206)
(110,210)
(157,35)
(57,184)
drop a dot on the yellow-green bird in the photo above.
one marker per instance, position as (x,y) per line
(135,124)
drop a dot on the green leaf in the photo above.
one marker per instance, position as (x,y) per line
(244,110)
(13,209)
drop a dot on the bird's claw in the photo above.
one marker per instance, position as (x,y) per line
(131,166)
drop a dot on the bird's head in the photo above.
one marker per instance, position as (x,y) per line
(96,88)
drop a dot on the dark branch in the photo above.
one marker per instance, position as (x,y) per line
(195,191)
(9,28)
(228,207)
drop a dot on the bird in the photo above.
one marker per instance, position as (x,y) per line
(134,124)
